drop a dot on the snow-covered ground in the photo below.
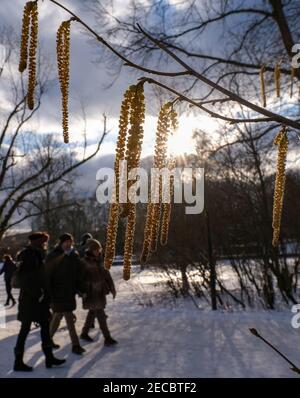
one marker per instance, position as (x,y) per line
(163,340)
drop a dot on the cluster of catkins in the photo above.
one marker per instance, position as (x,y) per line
(28,56)
(277,76)
(129,146)
(159,211)
(282,142)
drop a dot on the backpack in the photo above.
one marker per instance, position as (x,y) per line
(16,279)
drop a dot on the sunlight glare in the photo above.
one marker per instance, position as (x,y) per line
(181,141)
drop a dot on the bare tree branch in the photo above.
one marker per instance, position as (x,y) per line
(231,95)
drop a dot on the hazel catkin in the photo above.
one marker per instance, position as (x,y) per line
(25,36)
(129,147)
(262,86)
(63,64)
(277,75)
(28,56)
(113,218)
(282,142)
(32,56)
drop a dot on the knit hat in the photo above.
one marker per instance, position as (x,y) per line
(64,237)
(85,237)
(38,236)
(93,244)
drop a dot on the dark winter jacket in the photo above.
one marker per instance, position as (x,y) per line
(8,270)
(33,299)
(81,250)
(64,273)
(98,283)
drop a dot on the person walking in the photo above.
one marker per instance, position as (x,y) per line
(98,284)
(8,269)
(64,272)
(82,247)
(81,251)
(33,300)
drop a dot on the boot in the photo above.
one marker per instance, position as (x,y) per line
(86,337)
(109,341)
(19,365)
(50,358)
(77,349)
(6,303)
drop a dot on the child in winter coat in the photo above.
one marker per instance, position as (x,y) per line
(98,284)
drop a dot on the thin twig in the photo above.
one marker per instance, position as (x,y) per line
(294,368)
(198,105)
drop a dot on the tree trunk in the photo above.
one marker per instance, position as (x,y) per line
(212,265)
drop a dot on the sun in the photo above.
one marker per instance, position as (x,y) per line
(182,142)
